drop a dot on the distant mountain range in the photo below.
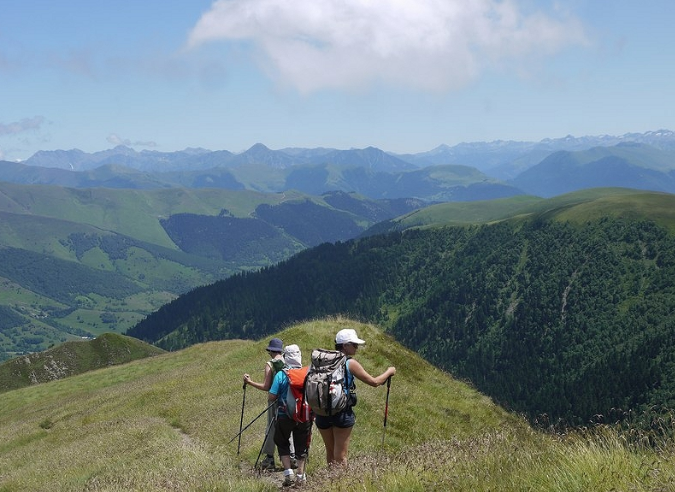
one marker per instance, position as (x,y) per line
(506,159)
(464,172)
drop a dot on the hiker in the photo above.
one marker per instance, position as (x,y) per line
(272,367)
(336,429)
(286,426)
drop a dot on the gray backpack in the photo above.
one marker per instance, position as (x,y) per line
(326,386)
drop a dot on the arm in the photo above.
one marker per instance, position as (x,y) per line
(362,375)
(266,384)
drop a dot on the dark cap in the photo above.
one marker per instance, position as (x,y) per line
(276,345)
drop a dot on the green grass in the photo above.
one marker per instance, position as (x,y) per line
(165,423)
(462,213)
(73,357)
(126,211)
(659,207)
(579,206)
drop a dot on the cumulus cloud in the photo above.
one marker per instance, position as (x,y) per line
(24,125)
(436,45)
(115,139)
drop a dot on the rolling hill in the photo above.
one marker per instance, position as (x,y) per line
(72,358)
(579,206)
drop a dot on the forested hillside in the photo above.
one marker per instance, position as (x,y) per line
(568,318)
(79,262)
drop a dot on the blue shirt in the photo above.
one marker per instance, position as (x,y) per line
(280,388)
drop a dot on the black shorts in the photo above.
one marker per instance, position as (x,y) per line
(343,420)
(301,436)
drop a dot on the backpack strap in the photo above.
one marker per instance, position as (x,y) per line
(349,380)
(281,397)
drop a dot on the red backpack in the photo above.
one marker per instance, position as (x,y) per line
(297,406)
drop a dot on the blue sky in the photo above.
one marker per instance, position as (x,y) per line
(400,75)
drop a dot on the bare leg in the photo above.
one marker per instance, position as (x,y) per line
(341,444)
(329,442)
(336,441)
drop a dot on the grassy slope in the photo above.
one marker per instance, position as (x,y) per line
(579,206)
(71,358)
(130,212)
(165,423)
(461,213)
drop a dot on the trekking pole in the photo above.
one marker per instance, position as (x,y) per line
(386,410)
(309,441)
(241,420)
(251,422)
(267,432)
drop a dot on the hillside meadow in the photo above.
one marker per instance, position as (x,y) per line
(577,207)
(71,358)
(167,423)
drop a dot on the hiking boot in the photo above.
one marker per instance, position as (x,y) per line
(267,463)
(289,480)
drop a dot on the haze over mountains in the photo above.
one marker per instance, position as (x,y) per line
(464,172)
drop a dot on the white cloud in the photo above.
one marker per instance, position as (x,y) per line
(115,139)
(24,125)
(436,45)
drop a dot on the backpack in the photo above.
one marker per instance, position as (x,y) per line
(326,387)
(297,407)
(277,365)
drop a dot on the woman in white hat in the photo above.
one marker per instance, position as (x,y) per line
(336,430)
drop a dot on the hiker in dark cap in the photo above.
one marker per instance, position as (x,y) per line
(272,366)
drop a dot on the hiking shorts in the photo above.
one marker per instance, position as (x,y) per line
(343,420)
(301,436)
